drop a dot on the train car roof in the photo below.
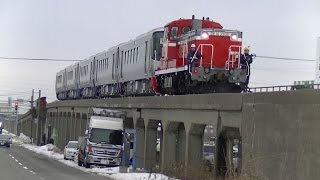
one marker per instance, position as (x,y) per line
(189,21)
(138,37)
(123,43)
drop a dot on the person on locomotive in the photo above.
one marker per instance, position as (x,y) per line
(246,59)
(193,56)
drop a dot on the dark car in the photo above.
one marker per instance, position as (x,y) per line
(5,140)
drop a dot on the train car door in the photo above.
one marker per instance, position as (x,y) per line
(146,59)
(117,65)
(113,67)
(121,65)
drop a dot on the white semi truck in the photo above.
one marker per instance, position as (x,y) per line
(103,140)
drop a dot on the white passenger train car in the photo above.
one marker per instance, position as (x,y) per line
(125,69)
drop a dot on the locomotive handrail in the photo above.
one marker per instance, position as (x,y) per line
(227,66)
(201,51)
(283,88)
(201,58)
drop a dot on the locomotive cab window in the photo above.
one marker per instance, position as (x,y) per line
(185,29)
(174,33)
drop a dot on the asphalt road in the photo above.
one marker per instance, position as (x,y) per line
(18,163)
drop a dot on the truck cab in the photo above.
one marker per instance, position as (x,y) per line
(103,141)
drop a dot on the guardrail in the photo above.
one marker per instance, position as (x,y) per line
(283,88)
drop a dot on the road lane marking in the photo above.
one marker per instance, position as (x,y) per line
(16,160)
(12,157)
(24,167)
(20,164)
(32,172)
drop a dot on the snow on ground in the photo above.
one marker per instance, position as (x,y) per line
(51,151)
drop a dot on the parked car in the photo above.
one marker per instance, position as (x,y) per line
(5,140)
(208,155)
(70,150)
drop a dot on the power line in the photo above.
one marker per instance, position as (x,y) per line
(37,59)
(76,60)
(286,59)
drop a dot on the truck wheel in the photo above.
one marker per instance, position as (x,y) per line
(86,164)
(8,145)
(79,163)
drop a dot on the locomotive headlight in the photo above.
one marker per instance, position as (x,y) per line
(234,37)
(204,35)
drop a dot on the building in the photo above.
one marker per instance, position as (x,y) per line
(317,78)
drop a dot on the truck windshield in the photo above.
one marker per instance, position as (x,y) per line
(72,145)
(106,136)
(3,136)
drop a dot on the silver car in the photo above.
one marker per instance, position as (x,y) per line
(71,150)
(208,153)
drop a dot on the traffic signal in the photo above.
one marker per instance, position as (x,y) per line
(16,106)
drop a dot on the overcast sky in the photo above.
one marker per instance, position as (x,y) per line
(76,29)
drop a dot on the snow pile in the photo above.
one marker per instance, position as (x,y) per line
(140,176)
(49,150)
(21,139)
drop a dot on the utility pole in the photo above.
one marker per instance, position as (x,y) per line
(32,119)
(38,120)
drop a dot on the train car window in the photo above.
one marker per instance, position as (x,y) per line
(185,30)
(70,75)
(166,34)
(113,66)
(137,54)
(130,56)
(174,33)
(127,59)
(121,63)
(107,63)
(59,79)
(157,45)
(145,57)
(133,52)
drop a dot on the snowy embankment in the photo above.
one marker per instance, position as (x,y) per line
(52,152)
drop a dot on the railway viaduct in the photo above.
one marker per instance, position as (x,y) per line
(278,132)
